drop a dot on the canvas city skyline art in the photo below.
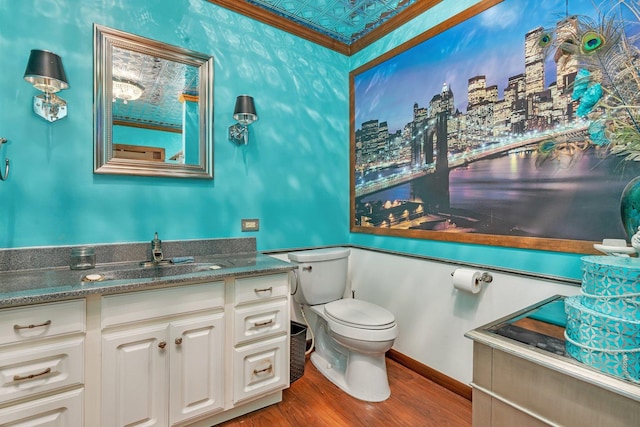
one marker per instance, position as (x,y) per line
(520,166)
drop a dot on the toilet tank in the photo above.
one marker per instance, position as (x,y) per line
(321,275)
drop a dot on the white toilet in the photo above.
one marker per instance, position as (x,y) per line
(351,336)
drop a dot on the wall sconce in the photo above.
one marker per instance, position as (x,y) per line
(46,73)
(244,114)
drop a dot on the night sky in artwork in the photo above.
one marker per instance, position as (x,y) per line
(489,44)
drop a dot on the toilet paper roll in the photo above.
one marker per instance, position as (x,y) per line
(467,280)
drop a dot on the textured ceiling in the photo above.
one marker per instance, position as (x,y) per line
(343,20)
(162,82)
(345,26)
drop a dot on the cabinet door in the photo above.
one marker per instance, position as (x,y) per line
(197,366)
(135,377)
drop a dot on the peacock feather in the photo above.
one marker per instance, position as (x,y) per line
(607,84)
(612,96)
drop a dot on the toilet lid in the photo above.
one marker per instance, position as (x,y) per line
(359,313)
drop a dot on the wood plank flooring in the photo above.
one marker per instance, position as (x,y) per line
(314,401)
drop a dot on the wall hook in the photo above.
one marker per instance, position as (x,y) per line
(6,164)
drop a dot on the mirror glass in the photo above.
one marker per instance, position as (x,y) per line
(153,107)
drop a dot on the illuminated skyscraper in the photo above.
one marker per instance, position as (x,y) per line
(533,62)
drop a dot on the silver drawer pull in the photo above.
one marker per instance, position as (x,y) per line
(28,377)
(262,371)
(261,324)
(18,327)
(269,289)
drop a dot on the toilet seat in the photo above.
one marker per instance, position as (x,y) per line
(359,314)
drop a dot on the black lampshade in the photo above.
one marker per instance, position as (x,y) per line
(245,111)
(45,71)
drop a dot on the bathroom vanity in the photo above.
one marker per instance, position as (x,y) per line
(522,376)
(196,345)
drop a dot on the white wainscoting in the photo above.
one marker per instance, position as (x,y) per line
(432,316)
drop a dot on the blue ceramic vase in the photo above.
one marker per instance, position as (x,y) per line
(630,207)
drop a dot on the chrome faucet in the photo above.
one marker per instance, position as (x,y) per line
(156,249)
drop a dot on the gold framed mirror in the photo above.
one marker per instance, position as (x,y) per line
(153,107)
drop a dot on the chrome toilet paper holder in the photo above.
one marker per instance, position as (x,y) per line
(484,278)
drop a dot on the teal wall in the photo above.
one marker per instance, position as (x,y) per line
(542,262)
(293,175)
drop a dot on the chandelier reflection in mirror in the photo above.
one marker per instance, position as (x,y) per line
(126,90)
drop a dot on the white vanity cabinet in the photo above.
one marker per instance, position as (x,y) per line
(260,333)
(194,354)
(42,364)
(163,355)
(167,354)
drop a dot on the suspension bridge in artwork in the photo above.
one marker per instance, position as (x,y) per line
(490,149)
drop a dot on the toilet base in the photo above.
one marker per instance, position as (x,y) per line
(364,377)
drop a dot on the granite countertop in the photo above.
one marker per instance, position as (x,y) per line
(23,287)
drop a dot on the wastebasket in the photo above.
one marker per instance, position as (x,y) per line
(297,350)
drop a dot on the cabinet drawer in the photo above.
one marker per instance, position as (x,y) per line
(41,368)
(63,410)
(136,306)
(260,368)
(41,321)
(259,288)
(259,321)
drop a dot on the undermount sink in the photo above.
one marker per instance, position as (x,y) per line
(151,270)
(22,281)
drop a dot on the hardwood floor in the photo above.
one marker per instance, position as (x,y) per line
(314,401)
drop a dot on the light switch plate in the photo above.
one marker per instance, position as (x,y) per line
(250,224)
